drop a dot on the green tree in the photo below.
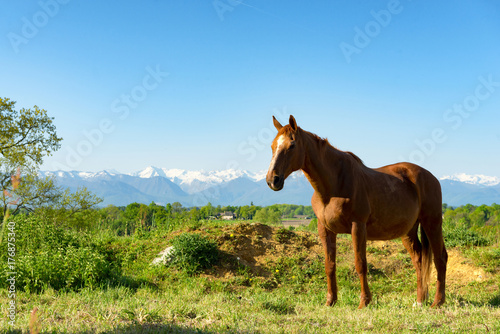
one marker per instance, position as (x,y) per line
(177,207)
(75,209)
(206,211)
(26,136)
(244,212)
(268,215)
(28,192)
(195,214)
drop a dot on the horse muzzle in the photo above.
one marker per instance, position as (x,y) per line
(275,182)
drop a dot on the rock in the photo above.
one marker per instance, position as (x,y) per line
(164,256)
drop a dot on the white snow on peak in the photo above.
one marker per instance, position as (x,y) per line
(198,180)
(189,176)
(473,179)
(149,172)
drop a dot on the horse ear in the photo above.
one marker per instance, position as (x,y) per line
(293,123)
(277,124)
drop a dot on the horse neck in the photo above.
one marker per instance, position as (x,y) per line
(327,168)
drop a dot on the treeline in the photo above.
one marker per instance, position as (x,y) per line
(139,218)
(471,225)
(473,216)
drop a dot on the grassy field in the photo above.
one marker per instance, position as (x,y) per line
(268,280)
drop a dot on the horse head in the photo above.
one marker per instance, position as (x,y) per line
(288,153)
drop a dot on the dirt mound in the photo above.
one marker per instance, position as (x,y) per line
(256,246)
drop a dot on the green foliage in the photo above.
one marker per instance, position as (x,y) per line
(462,236)
(48,255)
(26,135)
(71,209)
(268,215)
(312,226)
(471,225)
(192,253)
(283,235)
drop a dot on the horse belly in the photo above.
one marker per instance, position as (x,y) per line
(392,217)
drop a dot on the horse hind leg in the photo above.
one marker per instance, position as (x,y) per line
(414,248)
(432,231)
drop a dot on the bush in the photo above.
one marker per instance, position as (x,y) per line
(462,236)
(312,226)
(47,255)
(192,253)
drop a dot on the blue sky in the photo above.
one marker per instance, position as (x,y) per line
(193,84)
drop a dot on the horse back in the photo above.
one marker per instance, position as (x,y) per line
(399,195)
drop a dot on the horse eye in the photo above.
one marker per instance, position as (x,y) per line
(292,144)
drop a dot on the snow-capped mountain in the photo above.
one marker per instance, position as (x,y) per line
(459,189)
(195,181)
(238,187)
(473,179)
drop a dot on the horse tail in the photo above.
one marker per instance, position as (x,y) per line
(426,262)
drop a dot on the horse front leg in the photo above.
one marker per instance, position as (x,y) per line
(329,241)
(358,233)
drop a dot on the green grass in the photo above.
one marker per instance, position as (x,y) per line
(290,299)
(187,306)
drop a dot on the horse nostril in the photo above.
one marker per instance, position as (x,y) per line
(276,180)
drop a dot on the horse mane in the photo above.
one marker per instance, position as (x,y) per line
(358,159)
(324,143)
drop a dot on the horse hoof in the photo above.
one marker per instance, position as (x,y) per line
(330,302)
(364,302)
(437,304)
(417,305)
(362,305)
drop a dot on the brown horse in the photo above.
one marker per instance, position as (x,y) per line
(370,204)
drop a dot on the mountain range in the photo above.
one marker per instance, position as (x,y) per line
(238,187)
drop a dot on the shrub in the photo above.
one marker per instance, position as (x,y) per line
(47,255)
(462,236)
(312,226)
(193,252)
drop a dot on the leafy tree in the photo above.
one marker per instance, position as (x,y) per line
(168,208)
(176,207)
(194,214)
(206,211)
(268,215)
(132,211)
(75,209)
(244,212)
(111,212)
(26,137)
(30,192)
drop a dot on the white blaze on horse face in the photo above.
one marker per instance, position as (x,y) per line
(281,140)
